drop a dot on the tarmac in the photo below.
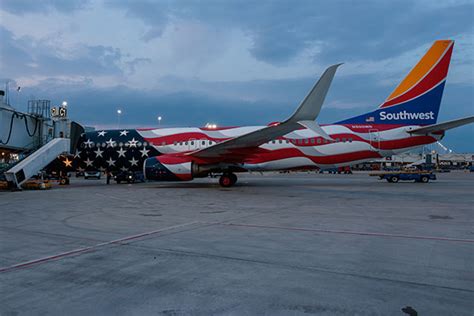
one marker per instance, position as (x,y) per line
(275,244)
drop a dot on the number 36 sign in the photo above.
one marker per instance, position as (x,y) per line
(59,112)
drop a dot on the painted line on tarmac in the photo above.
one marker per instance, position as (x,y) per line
(348,232)
(90,248)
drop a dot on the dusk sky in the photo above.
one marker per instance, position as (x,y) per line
(228,62)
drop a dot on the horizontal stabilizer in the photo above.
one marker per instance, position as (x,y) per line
(312,125)
(442,126)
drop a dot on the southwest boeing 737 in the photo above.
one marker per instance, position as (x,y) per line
(405,120)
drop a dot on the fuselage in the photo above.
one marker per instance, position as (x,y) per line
(124,150)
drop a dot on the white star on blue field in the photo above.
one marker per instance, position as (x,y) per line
(227,62)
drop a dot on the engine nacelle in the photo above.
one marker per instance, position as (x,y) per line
(168,168)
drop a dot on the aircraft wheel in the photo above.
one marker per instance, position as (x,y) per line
(233,177)
(226,181)
(425,179)
(394,179)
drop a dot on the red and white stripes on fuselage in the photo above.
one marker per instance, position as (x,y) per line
(301,148)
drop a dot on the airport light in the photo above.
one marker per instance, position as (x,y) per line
(119,112)
(211,125)
(159,120)
(64,104)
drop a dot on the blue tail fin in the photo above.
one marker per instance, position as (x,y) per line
(417,99)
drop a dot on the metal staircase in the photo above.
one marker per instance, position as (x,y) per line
(32,164)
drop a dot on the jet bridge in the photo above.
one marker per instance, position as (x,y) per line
(41,134)
(19,131)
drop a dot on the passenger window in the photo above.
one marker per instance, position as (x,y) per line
(318,140)
(192,143)
(300,141)
(146,144)
(337,140)
(180,143)
(273,142)
(203,143)
(163,144)
(287,141)
(280,141)
(343,140)
(306,141)
(350,140)
(312,141)
(185,143)
(175,143)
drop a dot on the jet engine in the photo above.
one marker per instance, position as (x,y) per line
(181,168)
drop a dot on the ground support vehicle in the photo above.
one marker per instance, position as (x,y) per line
(395,176)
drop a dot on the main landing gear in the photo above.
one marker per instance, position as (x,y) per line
(227,180)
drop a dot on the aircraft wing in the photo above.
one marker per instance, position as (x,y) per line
(307,111)
(442,126)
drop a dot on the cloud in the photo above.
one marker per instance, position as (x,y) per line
(27,56)
(136,62)
(43,6)
(244,40)
(154,13)
(280,30)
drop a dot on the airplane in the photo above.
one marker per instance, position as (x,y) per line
(407,119)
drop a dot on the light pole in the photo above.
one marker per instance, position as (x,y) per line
(159,120)
(18,89)
(119,112)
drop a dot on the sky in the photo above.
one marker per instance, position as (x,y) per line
(228,62)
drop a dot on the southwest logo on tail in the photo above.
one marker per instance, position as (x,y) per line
(416,100)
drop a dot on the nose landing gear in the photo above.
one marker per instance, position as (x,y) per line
(227,180)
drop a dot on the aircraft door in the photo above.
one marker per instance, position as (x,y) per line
(374,136)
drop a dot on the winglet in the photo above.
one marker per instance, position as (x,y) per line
(311,106)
